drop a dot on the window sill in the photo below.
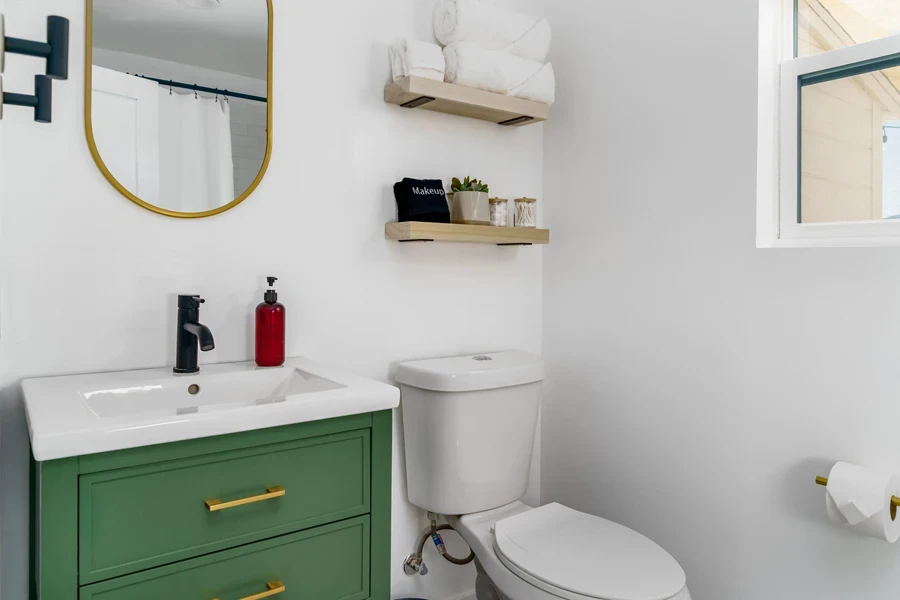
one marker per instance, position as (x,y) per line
(841,242)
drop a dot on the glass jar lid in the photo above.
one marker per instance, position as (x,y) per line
(499,200)
(526,200)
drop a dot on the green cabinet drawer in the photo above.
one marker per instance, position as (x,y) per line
(143,517)
(327,563)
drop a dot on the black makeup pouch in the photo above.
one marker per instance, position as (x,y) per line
(422,200)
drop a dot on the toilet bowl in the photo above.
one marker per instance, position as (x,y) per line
(469,425)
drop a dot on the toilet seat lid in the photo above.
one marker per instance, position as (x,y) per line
(562,550)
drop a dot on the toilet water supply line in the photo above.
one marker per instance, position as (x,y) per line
(415,563)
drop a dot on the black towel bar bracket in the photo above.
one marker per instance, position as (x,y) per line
(41,101)
(55,51)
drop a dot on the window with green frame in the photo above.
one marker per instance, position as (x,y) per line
(836,141)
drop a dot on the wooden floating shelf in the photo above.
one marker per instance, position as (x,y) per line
(471,234)
(437,96)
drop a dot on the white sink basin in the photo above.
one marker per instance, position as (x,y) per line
(116,395)
(87,414)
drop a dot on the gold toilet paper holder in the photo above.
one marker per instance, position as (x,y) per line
(895,501)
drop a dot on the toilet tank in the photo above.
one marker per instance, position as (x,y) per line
(469,424)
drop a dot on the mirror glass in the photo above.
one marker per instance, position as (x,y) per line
(177,108)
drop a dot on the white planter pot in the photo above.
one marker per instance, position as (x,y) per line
(471,208)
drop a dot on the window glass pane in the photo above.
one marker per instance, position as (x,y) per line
(824,25)
(850,149)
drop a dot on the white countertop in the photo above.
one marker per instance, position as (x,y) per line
(88,414)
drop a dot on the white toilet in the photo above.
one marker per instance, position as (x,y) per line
(469,425)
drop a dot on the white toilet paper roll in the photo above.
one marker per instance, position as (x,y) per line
(861,499)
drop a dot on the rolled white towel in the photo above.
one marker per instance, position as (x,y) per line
(496,28)
(419,59)
(473,65)
(540,87)
(477,67)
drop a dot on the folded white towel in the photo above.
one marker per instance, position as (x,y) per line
(399,68)
(419,59)
(473,21)
(473,65)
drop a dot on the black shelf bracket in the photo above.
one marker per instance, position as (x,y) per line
(55,51)
(516,121)
(422,101)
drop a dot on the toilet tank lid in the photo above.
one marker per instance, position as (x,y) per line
(472,373)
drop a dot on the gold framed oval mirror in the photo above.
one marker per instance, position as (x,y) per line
(178,100)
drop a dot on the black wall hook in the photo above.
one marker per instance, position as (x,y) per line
(56,52)
(41,102)
(55,49)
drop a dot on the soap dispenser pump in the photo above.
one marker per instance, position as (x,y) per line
(270,328)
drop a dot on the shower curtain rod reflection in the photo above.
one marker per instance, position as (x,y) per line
(200,88)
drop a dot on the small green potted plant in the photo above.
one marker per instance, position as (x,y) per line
(471,204)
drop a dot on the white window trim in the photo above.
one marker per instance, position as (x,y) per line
(777,185)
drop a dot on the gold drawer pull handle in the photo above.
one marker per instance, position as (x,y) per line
(271,493)
(272,589)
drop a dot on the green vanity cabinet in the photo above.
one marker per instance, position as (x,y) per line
(325,563)
(300,512)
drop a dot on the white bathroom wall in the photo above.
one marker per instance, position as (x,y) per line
(88,279)
(697,385)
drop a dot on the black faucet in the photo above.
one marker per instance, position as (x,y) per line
(191,334)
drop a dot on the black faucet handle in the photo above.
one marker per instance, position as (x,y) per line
(190,302)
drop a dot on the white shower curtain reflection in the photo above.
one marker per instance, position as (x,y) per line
(196,172)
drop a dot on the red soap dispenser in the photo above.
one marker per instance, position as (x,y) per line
(270,321)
